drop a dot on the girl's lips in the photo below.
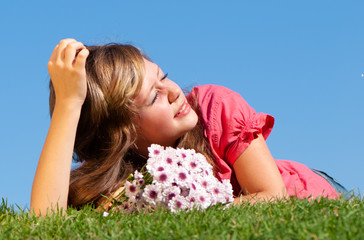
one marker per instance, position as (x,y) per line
(184,110)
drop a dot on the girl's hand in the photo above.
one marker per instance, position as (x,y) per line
(67,70)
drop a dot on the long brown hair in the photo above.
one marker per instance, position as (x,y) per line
(106,130)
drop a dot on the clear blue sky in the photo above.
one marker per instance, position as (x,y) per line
(300,61)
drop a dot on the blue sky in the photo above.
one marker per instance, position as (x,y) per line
(300,61)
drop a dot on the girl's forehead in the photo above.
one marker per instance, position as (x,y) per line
(150,66)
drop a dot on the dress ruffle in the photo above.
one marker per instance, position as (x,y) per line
(246,132)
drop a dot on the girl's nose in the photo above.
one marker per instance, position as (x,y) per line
(173,92)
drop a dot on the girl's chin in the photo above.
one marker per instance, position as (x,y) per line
(192,119)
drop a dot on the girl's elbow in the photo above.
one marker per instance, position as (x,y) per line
(278,193)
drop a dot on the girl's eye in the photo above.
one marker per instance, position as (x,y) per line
(155,98)
(165,76)
(157,93)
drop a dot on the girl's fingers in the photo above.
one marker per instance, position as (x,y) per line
(54,54)
(61,46)
(66,53)
(70,52)
(57,51)
(81,58)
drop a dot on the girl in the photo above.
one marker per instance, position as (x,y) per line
(110,103)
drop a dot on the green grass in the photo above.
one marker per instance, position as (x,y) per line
(293,219)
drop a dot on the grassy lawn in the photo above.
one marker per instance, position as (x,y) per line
(293,219)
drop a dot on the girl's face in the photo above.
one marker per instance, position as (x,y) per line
(164,114)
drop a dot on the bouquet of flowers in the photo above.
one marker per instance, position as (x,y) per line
(176,179)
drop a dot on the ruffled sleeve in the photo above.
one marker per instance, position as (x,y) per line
(230,123)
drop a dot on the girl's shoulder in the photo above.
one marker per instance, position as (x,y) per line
(216,98)
(211,90)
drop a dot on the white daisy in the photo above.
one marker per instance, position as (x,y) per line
(152,194)
(131,188)
(178,203)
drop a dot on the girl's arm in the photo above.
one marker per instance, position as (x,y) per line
(257,173)
(68,74)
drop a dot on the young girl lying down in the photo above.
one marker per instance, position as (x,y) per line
(109,103)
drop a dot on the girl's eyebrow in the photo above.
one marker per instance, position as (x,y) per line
(158,68)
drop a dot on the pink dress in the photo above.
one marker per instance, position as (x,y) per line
(230,126)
